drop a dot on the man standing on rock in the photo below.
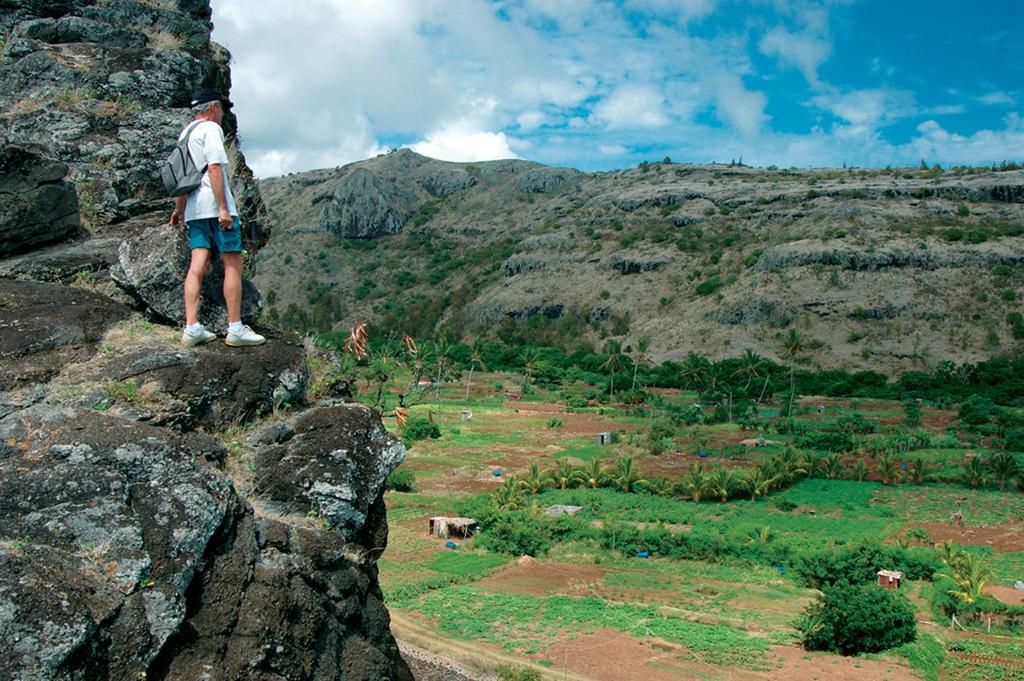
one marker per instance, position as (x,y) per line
(211,216)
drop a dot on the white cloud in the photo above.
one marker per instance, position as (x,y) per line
(612,149)
(741,108)
(530,120)
(804,51)
(454,144)
(632,106)
(868,109)
(998,98)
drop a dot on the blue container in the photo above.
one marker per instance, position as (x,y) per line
(781,570)
(450,545)
(702,454)
(496,474)
(903,466)
(642,554)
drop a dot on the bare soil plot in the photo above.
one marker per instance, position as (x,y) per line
(1004,537)
(609,655)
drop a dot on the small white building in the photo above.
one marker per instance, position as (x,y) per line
(560,509)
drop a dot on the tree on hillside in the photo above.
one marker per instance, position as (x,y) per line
(694,370)
(640,357)
(534,479)
(626,477)
(759,483)
(595,474)
(510,496)
(751,366)
(695,483)
(722,483)
(614,351)
(564,475)
(792,347)
(475,349)
(969,573)
(529,358)
(1003,467)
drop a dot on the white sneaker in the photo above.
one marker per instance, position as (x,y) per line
(244,338)
(190,340)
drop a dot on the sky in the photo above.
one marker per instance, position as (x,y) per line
(603,84)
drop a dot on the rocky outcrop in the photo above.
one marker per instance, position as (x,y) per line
(626,264)
(123,555)
(541,180)
(329,461)
(36,205)
(104,88)
(152,266)
(896,254)
(45,326)
(365,206)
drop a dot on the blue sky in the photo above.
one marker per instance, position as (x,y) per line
(602,84)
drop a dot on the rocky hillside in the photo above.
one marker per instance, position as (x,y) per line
(165,513)
(883,268)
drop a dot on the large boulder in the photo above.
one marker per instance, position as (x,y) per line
(152,266)
(123,555)
(364,205)
(38,206)
(331,461)
(45,326)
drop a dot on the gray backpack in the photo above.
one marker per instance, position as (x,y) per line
(179,172)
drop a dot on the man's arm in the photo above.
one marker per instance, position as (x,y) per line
(178,216)
(216,173)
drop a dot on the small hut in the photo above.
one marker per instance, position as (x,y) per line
(441,526)
(604,439)
(889,579)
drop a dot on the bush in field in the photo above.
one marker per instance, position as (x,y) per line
(401,480)
(507,672)
(830,442)
(858,619)
(976,411)
(858,565)
(517,534)
(419,428)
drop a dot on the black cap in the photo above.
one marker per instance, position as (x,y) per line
(205,96)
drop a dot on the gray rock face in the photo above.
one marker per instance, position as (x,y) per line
(365,206)
(542,180)
(152,267)
(624,264)
(104,87)
(38,206)
(333,463)
(123,556)
(898,254)
(44,326)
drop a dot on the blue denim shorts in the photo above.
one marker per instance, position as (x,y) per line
(206,233)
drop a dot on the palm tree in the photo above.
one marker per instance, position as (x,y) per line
(1004,467)
(859,470)
(564,474)
(534,479)
(694,370)
(475,348)
(970,574)
(595,475)
(695,484)
(792,347)
(919,470)
(626,477)
(790,468)
(832,466)
(660,486)
(975,472)
(640,357)
(760,535)
(614,351)
(510,496)
(529,358)
(887,468)
(758,483)
(750,366)
(722,483)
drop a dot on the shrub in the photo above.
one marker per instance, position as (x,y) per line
(829,442)
(401,480)
(976,410)
(517,534)
(858,619)
(419,428)
(507,672)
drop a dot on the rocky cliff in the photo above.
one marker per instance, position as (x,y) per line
(165,513)
(888,269)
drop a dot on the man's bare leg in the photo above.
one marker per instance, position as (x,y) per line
(194,283)
(233,285)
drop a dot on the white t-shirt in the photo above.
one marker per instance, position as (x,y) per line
(206,145)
